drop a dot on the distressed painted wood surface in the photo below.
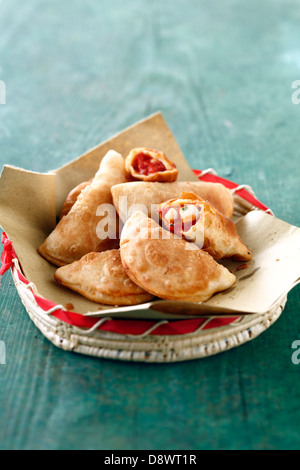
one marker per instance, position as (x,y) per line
(75,73)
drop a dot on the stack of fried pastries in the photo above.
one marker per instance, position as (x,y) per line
(125,240)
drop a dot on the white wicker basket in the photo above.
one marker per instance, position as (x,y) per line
(149,346)
(146,347)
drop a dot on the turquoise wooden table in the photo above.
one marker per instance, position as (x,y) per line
(72,75)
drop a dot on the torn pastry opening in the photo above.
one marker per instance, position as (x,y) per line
(180,216)
(150,165)
(197,221)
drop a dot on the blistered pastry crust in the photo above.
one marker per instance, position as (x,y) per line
(100,277)
(169,267)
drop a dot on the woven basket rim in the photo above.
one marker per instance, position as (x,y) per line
(147,348)
(150,346)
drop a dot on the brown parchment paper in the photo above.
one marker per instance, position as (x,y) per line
(30,202)
(152,132)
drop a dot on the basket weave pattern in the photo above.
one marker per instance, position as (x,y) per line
(149,346)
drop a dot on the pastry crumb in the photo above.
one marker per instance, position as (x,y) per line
(242,266)
(69,306)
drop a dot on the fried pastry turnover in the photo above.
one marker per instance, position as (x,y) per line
(72,197)
(169,267)
(100,277)
(150,165)
(128,197)
(196,220)
(78,233)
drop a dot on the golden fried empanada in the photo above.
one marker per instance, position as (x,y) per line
(128,197)
(92,223)
(169,268)
(198,221)
(100,277)
(150,165)
(72,197)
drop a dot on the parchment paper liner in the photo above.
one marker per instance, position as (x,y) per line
(30,203)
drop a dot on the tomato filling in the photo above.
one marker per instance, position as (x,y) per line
(175,219)
(146,165)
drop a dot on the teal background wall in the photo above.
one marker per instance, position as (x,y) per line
(221,73)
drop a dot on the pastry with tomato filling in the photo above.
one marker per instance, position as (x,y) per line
(169,267)
(150,165)
(100,277)
(77,233)
(196,220)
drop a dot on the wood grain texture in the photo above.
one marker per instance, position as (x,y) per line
(221,73)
